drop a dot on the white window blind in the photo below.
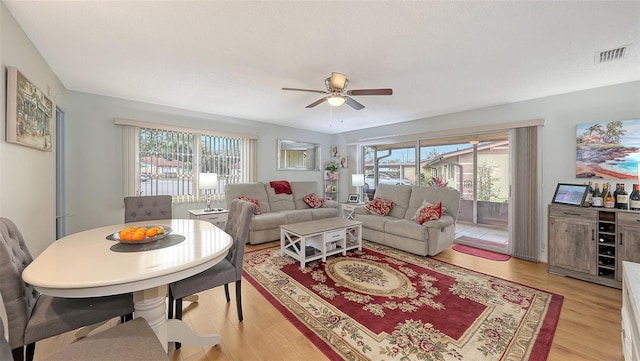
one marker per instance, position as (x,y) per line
(166,160)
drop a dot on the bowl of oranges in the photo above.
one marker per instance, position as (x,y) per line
(142,234)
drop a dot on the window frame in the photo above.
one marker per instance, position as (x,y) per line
(131,149)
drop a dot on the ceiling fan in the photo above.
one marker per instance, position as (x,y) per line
(337,93)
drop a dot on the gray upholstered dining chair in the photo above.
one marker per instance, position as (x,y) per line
(226,271)
(131,341)
(33,317)
(147,208)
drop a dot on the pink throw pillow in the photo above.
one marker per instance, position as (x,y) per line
(430,213)
(380,206)
(254,201)
(313,200)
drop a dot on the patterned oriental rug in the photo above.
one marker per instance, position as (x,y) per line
(385,304)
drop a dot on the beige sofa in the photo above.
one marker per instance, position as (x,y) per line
(278,209)
(398,230)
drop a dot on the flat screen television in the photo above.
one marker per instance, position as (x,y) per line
(570,194)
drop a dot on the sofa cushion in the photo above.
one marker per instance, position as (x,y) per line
(279,202)
(322,212)
(298,215)
(405,228)
(373,221)
(424,204)
(301,190)
(251,190)
(449,197)
(254,201)
(380,206)
(313,200)
(399,195)
(267,221)
(330,203)
(430,213)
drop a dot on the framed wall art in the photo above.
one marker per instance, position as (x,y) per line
(609,150)
(29,113)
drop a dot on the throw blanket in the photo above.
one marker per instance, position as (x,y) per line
(281,187)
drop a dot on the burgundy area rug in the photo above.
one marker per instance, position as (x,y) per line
(480,252)
(384,304)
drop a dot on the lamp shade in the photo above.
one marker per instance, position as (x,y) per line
(357,180)
(336,100)
(208,181)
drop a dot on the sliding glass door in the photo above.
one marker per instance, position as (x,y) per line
(478,167)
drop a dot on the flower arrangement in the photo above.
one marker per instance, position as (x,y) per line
(332,166)
(437,182)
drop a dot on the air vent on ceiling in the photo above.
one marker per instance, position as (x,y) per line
(611,55)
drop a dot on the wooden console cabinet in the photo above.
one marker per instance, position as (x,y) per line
(591,243)
(631,311)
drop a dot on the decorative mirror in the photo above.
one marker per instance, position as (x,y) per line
(296,155)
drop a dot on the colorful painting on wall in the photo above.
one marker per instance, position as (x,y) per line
(609,150)
(29,113)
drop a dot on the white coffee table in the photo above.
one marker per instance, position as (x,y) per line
(325,237)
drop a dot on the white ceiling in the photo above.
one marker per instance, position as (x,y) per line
(232,58)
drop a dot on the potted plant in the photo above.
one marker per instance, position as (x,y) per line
(331,169)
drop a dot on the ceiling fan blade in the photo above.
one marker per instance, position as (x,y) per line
(370,92)
(306,90)
(316,102)
(354,104)
(338,80)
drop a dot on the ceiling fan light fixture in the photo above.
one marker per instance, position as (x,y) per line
(336,100)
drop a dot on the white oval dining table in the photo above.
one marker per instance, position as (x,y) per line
(83,265)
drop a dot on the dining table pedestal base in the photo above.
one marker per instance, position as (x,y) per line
(151,304)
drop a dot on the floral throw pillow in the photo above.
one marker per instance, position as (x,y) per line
(430,213)
(425,203)
(313,200)
(380,206)
(254,201)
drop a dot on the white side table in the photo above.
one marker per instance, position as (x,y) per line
(219,218)
(348,210)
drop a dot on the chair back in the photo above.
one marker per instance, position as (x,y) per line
(238,221)
(147,208)
(5,350)
(19,297)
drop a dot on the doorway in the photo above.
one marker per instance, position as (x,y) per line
(60,169)
(479,167)
(476,165)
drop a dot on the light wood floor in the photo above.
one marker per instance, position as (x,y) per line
(589,326)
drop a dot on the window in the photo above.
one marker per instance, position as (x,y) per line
(165,160)
(388,164)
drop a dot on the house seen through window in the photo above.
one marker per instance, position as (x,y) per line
(168,162)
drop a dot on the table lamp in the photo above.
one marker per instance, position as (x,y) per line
(208,181)
(357,180)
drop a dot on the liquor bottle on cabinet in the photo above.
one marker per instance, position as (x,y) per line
(587,200)
(634,198)
(596,199)
(609,201)
(622,198)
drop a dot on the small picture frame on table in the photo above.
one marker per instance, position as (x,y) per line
(353,198)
